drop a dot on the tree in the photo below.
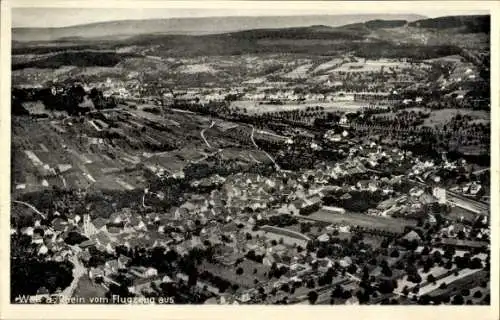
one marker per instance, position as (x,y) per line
(395,253)
(445,298)
(347,294)
(487,299)
(436,256)
(457,300)
(337,292)
(385,243)
(363,296)
(465,292)
(352,269)
(415,278)
(405,291)
(475,263)
(431,278)
(311,284)
(386,271)
(312,296)
(448,265)
(285,287)
(239,271)
(424,300)
(425,251)
(386,286)
(193,277)
(449,252)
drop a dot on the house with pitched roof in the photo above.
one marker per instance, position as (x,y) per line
(95,273)
(116,218)
(101,239)
(111,267)
(100,224)
(412,236)
(59,224)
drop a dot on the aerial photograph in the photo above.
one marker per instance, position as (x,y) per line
(204,156)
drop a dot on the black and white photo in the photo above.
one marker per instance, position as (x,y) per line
(208,156)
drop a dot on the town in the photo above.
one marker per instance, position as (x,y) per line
(253,179)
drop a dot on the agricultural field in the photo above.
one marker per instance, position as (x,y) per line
(440,117)
(110,150)
(328,65)
(361,220)
(466,278)
(364,65)
(246,279)
(254,107)
(299,72)
(457,213)
(197,68)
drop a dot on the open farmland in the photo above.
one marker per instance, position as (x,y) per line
(65,159)
(364,65)
(197,68)
(106,150)
(254,107)
(466,278)
(439,117)
(362,220)
(246,279)
(328,65)
(442,116)
(299,72)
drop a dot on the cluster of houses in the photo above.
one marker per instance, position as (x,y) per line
(227,216)
(429,171)
(132,88)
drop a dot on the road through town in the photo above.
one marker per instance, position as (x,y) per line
(78,271)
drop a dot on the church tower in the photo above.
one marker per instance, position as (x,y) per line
(88,227)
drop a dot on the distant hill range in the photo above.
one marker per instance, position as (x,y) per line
(371,39)
(201,26)
(469,24)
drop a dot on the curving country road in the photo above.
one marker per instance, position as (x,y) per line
(202,133)
(31,207)
(481,171)
(143,201)
(78,271)
(267,154)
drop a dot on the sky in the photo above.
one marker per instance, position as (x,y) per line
(46,17)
